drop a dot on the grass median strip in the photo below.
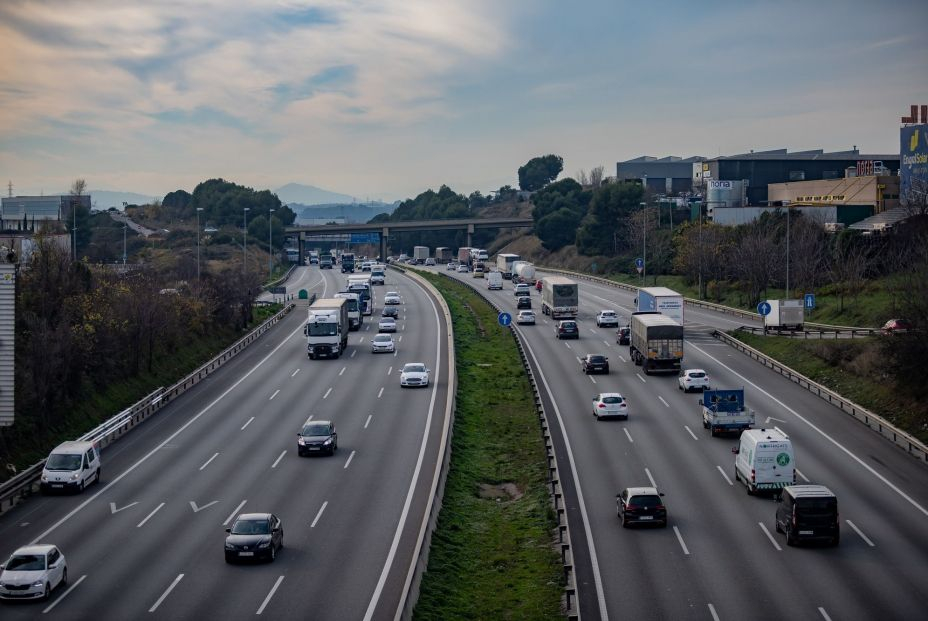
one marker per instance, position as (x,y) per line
(493,554)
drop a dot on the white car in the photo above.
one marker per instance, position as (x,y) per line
(463,268)
(451,267)
(607,319)
(392,297)
(693,379)
(414,374)
(366,266)
(526,317)
(430,261)
(521,289)
(33,572)
(383,343)
(386,324)
(609,404)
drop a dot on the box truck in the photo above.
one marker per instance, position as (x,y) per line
(443,254)
(355,319)
(784,315)
(504,264)
(656,343)
(327,328)
(560,297)
(420,254)
(660,300)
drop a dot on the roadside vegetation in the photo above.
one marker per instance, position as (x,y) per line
(492,554)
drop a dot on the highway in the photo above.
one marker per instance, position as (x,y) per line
(148,541)
(720,557)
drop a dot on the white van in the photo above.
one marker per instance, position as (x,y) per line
(764,460)
(71,466)
(494,280)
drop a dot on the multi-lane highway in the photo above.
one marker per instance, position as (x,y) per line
(720,557)
(148,541)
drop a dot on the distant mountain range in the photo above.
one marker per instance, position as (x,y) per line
(104,199)
(310,195)
(352,212)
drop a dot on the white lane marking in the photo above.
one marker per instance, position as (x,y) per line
(277,461)
(650,478)
(724,476)
(770,537)
(641,378)
(380,394)
(403,328)
(319,514)
(196,509)
(824,614)
(608,344)
(248,423)
(622,358)
(628,435)
(294,373)
(114,509)
(802,476)
(353,353)
(327,393)
(661,399)
(350,457)
(149,516)
(860,532)
(166,593)
(680,539)
(578,359)
(276,392)
(690,431)
(592,330)
(215,455)
(866,466)
(340,373)
(367,327)
(591,378)
(568,345)
(368,421)
(234,512)
(390,370)
(65,594)
(394,353)
(399,340)
(715,616)
(270,595)
(360,340)
(781,431)
(310,417)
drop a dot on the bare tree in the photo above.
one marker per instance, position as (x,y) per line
(596,176)
(582,178)
(78,187)
(915,199)
(755,258)
(848,268)
(808,254)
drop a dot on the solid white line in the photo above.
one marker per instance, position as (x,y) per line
(781,431)
(390,370)
(294,373)
(65,594)
(802,476)
(662,401)
(860,532)
(368,421)
(350,457)
(270,595)
(724,476)
(149,516)
(319,514)
(715,616)
(680,539)
(210,459)
(650,478)
(234,512)
(166,593)
(591,378)
(380,394)
(641,378)
(866,466)
(353,353)
(245,425)
(690,431)
(275,394)
(327,393)
(628,435)
(342,371)
(824,614)
(277,461)
(770,537)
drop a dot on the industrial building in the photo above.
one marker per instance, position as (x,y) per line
(666,175)
(36,213)
(878,192)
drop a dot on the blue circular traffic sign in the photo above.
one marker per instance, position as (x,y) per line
(504,319)
(639,262)
(763,309)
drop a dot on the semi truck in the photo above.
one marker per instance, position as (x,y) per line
(656,343)
(355,319)
(443,254)
(361,284)
(464,256)
(524,272)
(784,315)
(560,297)
(724,411)
(347,263)
(504,264)
(660,300)
(327,328)
(420,254)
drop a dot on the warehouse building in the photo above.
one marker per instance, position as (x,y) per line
(666,175)
(36,213)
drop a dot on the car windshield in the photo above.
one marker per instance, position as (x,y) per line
(316,429)
(612,400)
(388,320)
(323,329)
(251,527)
(26,562)
(414,368)
(645,501)
(608,314)
(382,338)
(392,294)
(697,374)
(63,462)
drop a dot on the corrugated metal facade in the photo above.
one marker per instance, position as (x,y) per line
(7,342)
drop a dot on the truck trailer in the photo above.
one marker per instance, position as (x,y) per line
(504,264)
(656,343)
(524,272)
(560,297)
(327,328)
(464,256)
(661,300)
(420,254)
(443,254)
(784,315)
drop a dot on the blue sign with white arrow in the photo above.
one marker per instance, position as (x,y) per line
(639,263)
(504,319)
(763,309)
(810,301)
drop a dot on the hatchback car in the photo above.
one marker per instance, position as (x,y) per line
(641,505)
(594,363)
(33,572)
(478,273)
(414,374)
(567,329)
(896,325)
(430,261)
(383,343)
(451,267)
(623,335)
(526,317)
(693,379)
(463,268)
(392,297)
(317,437)
(607,319)
(386,324)
(609,405)
(521,289)
(254,536)
(523,302)
(390,311)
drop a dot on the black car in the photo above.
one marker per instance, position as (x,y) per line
(623,335)
(808,513)
(523,302)
(641,505)
(317,436)
(567,330)
(390,311)
(595,363)
(254,536)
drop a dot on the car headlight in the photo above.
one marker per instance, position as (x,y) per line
(264,544)
(229,546)
(44,478)
(327,442)
(75,476)
(38,584)
(301,442)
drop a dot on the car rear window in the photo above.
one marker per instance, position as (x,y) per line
(612,400)
(645,501)
(816,504)
(569,325)
(697,374)
(597,358)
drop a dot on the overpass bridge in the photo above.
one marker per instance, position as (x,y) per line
(468,225)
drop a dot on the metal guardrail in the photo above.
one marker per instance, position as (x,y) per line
(903,440)
(283,278)
(817,334)
(26,482)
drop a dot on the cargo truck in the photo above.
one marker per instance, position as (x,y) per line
(325,262)
(784,315)
(656,343)
(504,264)
(361,284)
(347,263)
(524,272)
(355,319)
(327,328)
(660,300)
(560,297)
(724,411)
(443,254)
(378,274)
(420,254)
(464,256)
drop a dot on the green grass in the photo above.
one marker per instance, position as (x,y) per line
(492,557)
(853,368)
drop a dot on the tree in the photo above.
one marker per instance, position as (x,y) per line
(539,172)
(178,199)
(756,258)
(610,207)
(558,229)
(848,266)
(78,186)
(808,253)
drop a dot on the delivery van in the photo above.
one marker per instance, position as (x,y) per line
(71,466)
(764,460)
(808,513)
(494,280)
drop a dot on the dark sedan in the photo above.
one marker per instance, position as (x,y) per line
(390,311)
(317,436)
(254,536)
(595,363)
(567,330)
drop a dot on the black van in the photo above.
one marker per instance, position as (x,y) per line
(808,513)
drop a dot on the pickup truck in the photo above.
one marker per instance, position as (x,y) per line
(724,411)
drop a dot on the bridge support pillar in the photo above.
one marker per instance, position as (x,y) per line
(301,248)
(470,232)
(383,244)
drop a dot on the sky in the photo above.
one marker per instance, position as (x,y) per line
(385,99)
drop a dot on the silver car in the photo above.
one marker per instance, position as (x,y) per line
(33,572)
(383,343)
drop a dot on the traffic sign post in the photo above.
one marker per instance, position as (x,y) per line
(763,309)
(809,301)
(639,264)
(504,319)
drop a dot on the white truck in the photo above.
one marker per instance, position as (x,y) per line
(784,315)
(327,328)
(524,272)
(504,264)
(764,460)
(494,280)
(355,319)
(420,254)
(661,300)
(560,297)
(724,411)
(656,343)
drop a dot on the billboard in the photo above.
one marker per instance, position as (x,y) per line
(913,163)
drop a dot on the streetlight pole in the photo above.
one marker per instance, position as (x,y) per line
(199,209)
(245,240)
(787,251)
(644,249)
(270,251)
(125,225)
